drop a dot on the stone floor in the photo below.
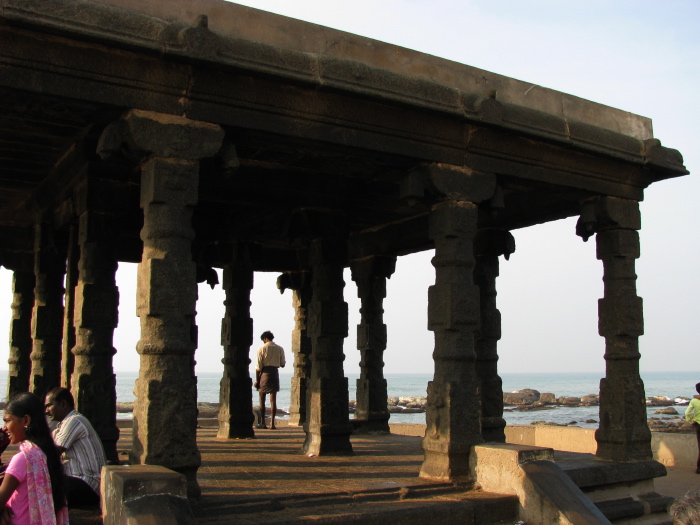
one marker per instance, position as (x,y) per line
(267,480)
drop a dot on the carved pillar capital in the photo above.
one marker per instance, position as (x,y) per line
(607,213)
(142,134)
(433,182)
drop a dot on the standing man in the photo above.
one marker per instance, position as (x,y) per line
(692,415)
(267,377)
(80,448)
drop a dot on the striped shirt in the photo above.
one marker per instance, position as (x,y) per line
(84,455)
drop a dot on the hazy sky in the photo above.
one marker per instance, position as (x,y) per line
(639,56)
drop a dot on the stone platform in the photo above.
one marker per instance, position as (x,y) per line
(267,480)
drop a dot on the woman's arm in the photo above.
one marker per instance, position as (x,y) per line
(8,486)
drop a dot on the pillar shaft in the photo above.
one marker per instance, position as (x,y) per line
(371,274)
(67,358)
(300,283)
(453,413)
(623,434)
(96,312)
(165,411)
(236,411)
(19,361)
(490,384)
(328,426)
(47,316)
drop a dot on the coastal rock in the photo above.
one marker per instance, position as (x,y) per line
(569,401)
(681,400)
(591,400)
(591,421)
(667,410)
(413,401)
(125,408)
(659,401)
(548,398)
(528,408)
(526,396)
(548,424)
(392,401)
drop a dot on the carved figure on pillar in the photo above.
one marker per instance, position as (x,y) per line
(236,411)
(47,317)
(93,383)
(20,364)
(370,275)
(488,246)
(300,284)
(623,434)
(328,425)
(165,410)
(453,417)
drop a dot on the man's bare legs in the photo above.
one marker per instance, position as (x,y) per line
(273,408)
(262,410)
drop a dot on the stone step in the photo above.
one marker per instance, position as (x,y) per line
(648,507)
(466,508)
(623,492)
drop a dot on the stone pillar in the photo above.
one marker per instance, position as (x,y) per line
(165,410)
(47,317)
(20,364)
(371,274)
(453,415)
(623,434)
(236,412)
(300,284)
(328,426)
(67,358)
(488,246)
(93,382)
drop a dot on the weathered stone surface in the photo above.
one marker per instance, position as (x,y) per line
(20,333)
(453,418)
(125,488)
(300,284)
(47,315)
(371,274)
(236,412)
(623,433)
(327,427)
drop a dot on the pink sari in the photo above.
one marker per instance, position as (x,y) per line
(39,488)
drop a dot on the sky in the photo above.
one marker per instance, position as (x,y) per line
(639,56)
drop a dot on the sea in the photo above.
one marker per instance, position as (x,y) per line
(669,384)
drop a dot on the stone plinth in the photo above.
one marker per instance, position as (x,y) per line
(144,494)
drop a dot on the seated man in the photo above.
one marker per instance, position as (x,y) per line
(80,447)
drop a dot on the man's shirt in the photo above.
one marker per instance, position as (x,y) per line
(270,354)
(84,455)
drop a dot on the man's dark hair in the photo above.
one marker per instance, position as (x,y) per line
(267,335)
(697,387)
(62,394)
